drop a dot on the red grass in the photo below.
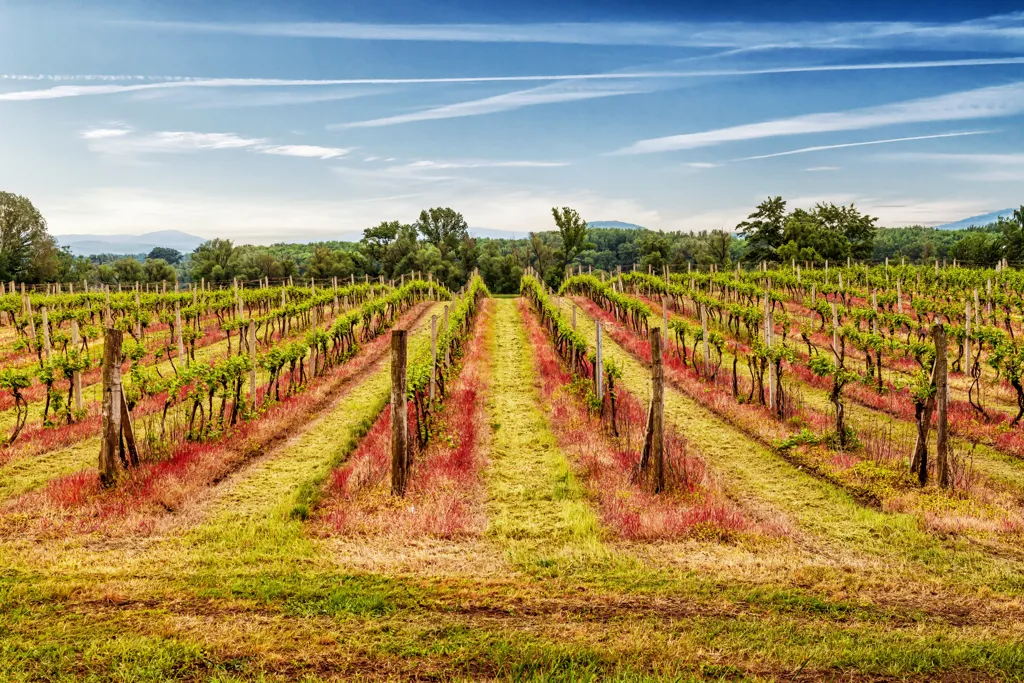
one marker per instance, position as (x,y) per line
(692,505)
(75,503)
(444,498)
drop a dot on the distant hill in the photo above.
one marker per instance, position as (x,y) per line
(615,224)
(86,245)
(523,234)
(979,220)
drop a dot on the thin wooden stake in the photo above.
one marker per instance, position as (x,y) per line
(399,414)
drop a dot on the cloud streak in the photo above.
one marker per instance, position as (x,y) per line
(549,94)
(822,148)
(995,33)
(185,82)
(125,142)
(982,103)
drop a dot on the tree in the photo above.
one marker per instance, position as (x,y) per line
(715,247)
(27,251)
(573,231)
(215,261)
(158,270)
(543,255)
(1013,235)
(848,221)
(171,256)
(128,270)
(655,249)
(446,229)
(763,230)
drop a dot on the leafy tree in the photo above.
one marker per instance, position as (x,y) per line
(1013,235)
(763,230)
(446,229)
(715,247)
(158,270)
(27,251)
(171,256)
(573,231)
(655,249)
(214,260)
(128,270)
(542,255)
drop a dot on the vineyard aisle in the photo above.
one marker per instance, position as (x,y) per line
(865,539)
(259,520)
(537,509)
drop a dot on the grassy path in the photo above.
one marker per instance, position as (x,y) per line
(820,508)
(536,507)
(999,466)
(259,520)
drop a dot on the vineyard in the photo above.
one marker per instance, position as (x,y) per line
(784,473)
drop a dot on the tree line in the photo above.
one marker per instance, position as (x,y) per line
(438,243)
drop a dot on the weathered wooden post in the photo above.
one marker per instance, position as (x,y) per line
(47,349)
(599,367)
(180,339)
(252,362)
(941,405)
(447,348)
(835,330)
(967,338)
(574,316)
(704,335)
(399,414)
(433,356)
(654,442)
(664,317)
(76,377)
(111,434)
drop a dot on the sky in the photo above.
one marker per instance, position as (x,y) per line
(269,121)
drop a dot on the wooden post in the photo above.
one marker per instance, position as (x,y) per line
(967,338)
(76,377)
(252,362)
(399,414)
(599,367)
(574,316)
(128,432)
(433,356)
(447,349)
(664,317)
(654,441)
(111,434)
(47,349)
(835,330)
(138,314)
(941,404)
(704,336)
(182,358)
(899,298)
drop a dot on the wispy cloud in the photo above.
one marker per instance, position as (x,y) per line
(548,94)
(124,141)
(996,33)
(982,103)
(186,82)
(866,143)
(307,151)
(820,169)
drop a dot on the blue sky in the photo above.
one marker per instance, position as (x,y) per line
(266,121)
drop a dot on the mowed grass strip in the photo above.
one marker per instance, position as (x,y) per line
(819,507)
(537,509)
(259,520)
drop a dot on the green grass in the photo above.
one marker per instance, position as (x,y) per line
(537,508)
(816,506)
(242,593)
